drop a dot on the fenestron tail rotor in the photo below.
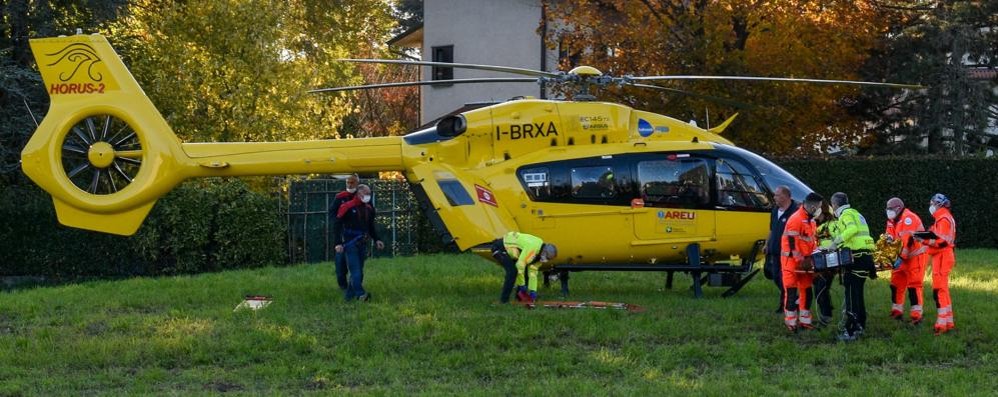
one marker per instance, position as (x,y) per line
(101,154)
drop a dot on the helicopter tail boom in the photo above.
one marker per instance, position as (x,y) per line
(105,153)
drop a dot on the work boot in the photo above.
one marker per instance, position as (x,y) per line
(364,298)
(897,314)
(845,337)
(824,320)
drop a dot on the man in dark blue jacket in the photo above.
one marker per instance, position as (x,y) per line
(785,206)
(351,235)
(339,259)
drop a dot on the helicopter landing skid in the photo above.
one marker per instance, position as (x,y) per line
(583,305)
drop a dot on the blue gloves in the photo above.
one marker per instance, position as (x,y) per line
(897,263)
(533,296)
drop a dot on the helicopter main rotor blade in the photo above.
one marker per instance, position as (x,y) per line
(506,69)
(432,82)
(729,102)
(784,79)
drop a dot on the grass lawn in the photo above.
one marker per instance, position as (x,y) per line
(434,327)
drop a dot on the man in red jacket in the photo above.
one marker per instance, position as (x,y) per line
(798,243)
(351,234)
(339,260)
(909,271)
(940,249)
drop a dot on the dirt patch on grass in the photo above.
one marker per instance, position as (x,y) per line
(223,386)
(6,324)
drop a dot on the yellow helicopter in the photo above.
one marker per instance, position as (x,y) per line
(613,187)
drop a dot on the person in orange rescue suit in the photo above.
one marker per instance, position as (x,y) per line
(909,268)
(798,242)
(940,249)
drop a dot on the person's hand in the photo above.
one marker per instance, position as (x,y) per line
(828,246)
(379,244)
(807,264)
(338,248)
(897,263)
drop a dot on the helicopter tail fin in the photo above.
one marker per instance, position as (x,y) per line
(719,129)
(100,149)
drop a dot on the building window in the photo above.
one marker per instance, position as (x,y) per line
(443,54)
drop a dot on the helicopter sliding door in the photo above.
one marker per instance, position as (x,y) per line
(580,205)
(676,192)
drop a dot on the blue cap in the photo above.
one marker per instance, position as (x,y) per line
(941,199)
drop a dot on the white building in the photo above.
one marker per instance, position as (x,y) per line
(490,32)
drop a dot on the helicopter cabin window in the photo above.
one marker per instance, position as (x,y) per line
(738,187)
(674,181)
(538,182)
(455,193)
(443,54)
(594,183)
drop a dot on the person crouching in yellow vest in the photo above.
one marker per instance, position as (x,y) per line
(529,253)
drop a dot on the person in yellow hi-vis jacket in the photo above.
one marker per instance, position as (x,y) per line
(529,252)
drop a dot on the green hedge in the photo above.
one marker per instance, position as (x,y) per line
(969,183)
(205,225)
(214,224)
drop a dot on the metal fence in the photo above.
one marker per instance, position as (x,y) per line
(399,221)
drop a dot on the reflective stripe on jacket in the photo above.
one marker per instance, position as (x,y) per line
(945,228)
(799,236)
(852,231)
(907,224)
(522,247)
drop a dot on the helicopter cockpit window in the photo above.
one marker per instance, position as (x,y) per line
(738,187)
(594,182)
(674,182)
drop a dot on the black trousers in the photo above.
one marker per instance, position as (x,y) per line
(823,292)
(773,268)
(853,281)
(508,265)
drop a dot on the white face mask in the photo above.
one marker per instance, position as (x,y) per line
(891,214)
(932,209)
(351,189)
(365,199)
(544,259)
(816,212)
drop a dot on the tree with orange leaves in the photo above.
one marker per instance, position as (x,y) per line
(793,38)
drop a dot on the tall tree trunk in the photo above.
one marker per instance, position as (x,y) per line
(17,12)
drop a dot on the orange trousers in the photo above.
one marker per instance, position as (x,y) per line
(942,263)
(910,277)
(797,287)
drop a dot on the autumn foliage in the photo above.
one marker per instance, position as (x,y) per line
(813,39)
